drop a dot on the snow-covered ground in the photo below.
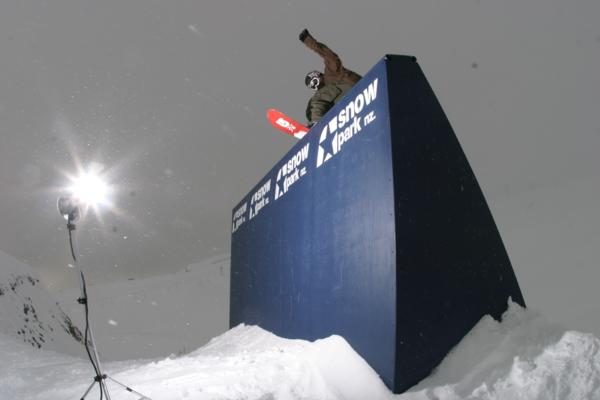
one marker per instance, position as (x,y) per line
(524,357)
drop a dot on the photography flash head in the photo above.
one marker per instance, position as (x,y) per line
(68,207)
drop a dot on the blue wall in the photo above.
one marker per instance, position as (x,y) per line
(372,227)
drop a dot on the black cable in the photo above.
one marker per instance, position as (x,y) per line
(84,301)
(98,377)
(71,228)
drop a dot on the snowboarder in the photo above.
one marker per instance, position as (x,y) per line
(330,85)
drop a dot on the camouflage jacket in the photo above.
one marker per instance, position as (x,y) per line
(334,70)
(337,78)
(324,99)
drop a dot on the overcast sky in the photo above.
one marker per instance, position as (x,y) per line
(170,98)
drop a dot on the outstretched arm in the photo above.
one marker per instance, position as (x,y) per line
(332,61)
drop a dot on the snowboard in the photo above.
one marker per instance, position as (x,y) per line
(286,124)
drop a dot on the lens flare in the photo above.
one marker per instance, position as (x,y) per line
(90,189)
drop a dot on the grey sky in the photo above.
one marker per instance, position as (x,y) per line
(171,96)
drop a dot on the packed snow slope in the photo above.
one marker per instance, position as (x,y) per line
(524,357)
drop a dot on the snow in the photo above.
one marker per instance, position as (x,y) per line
(245,362)
(523,357)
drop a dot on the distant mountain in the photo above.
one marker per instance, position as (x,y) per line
(159,315)
(29,313)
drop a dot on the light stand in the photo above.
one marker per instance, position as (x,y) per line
(69,209)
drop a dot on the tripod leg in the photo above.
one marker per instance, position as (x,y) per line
(89,389)
(93,355)
(103,387)
(128,388)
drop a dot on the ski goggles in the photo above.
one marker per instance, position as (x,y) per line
(314,83)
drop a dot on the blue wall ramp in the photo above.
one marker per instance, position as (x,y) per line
(372,227)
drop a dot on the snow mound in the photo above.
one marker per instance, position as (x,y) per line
(244,363)
(264,364)
(524,357)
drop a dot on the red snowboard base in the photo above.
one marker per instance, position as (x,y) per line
(286,124)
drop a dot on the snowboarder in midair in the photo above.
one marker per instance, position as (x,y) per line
(329,86)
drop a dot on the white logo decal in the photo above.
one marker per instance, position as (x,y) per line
(299,133)
(291,171)
(348,115)
(259,199)
(285,124)
(238,217)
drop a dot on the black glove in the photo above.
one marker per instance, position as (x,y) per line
(303,35)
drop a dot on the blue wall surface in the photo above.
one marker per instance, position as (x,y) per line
(372,227)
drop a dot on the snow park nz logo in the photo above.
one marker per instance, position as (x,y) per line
(291,171)
(346,124)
